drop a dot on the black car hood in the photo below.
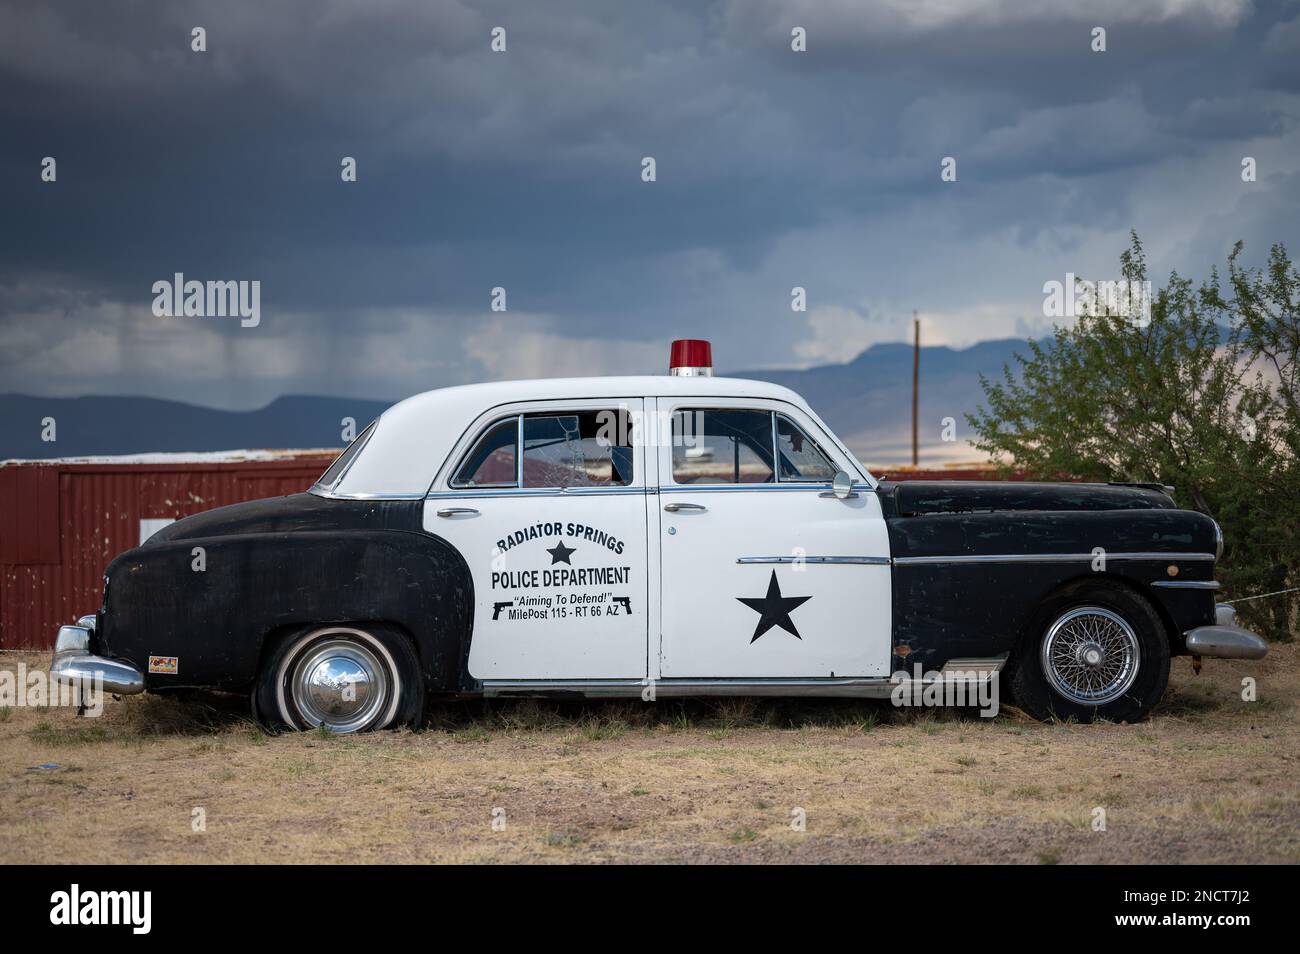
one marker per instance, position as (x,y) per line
(296,512)
(917,497)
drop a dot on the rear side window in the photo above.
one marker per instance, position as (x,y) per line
(341,463)
(578,449)
(722,446)
(492,462)
(563,449)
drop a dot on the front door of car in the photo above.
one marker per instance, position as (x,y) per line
(547,505)
(765,572)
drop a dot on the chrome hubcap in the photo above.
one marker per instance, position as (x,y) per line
(339,684)
(1091,655)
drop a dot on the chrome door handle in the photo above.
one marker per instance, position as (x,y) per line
(678,507)
(458,512)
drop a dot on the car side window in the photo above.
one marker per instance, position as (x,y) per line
(344,460)
(722,446)
(492,461)
(799,458)
(578,449)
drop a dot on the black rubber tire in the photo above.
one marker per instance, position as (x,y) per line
(273,704)
(1032,691)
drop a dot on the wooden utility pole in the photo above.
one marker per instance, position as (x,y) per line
(916,378)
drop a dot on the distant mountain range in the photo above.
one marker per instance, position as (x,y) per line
(867,401)
(87,426)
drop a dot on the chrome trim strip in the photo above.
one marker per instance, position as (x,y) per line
(788,485)
(1187,584)
(331,495)
(985,665)
(776,447)
(533,492)
(865,687)
(365,436)
(854,560)
(1047,558)
(519,450)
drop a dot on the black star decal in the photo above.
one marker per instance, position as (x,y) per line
(560,553)
(774,609)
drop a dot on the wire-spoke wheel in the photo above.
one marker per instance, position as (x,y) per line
(1095,650)
(1091,655)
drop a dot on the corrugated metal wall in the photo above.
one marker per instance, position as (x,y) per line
(61,523)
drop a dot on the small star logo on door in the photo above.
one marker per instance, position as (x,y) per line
(774,609)
(560,553)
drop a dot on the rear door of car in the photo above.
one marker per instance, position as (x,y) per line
(546,502)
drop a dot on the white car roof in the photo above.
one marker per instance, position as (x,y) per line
(412,439)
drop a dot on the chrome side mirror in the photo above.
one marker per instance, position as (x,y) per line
(842,485)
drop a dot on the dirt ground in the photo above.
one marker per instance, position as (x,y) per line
(1210,778)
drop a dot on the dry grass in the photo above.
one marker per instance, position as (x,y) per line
(1210,779)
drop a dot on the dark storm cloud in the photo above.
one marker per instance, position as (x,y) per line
(522,170)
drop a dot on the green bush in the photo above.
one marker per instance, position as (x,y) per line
(1202,396)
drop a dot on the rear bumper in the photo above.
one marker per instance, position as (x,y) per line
(75,664)
(1225,639)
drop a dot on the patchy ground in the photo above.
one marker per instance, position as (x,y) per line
(1209,779)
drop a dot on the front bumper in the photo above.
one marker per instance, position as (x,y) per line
(75,664)
(1225,639)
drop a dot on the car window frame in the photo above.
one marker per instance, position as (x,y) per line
(351,452)
(479,437)
(803,416)
(776,452)
(774,447)
(771,425)
(552,409)
(574,488)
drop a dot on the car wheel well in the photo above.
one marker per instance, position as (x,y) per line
(272,638)
(1031,632)
(389,646)
(1036,685)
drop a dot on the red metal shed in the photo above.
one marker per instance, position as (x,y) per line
(62,521)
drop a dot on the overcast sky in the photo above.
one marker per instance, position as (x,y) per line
(523,170)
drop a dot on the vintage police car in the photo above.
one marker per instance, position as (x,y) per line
(692,535)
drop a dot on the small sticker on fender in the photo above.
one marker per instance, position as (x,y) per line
(163,664)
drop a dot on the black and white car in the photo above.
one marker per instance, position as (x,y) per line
(687,534)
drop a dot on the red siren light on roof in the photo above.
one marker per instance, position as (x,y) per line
(691,358)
